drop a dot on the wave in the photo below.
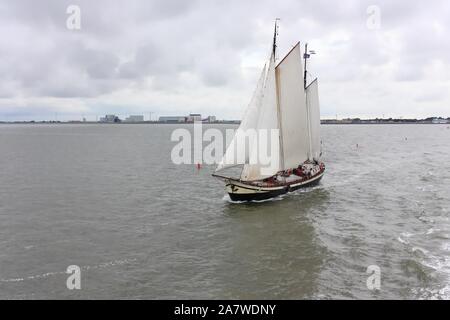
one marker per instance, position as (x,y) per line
(48,274)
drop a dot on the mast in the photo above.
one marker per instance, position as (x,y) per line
(275,33)
(277,86)
(305,57)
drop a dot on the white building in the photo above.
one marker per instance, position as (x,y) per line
(194,117)
(135,118)
(210,119)
(172,119)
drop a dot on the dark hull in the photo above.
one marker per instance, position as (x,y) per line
(270,194)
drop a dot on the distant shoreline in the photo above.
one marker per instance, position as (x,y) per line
(236,122)
(205,123)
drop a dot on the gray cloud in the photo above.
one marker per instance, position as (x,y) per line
(183,56)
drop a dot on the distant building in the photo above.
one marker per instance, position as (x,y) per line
(194,117)
(136,118)
(210,119)
(172,119)
(110,118)
(439,121)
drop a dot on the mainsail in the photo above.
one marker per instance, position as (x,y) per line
(293,112)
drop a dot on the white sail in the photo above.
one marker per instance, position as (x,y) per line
(237,153)
(267,120)
(293,111)
(312,101)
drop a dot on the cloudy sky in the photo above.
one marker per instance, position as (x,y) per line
(176,57)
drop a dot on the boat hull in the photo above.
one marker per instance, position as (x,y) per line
(239,191)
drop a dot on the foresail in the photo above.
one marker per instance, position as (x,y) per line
(236,153)
(293,111)
(312,101)
(267,123)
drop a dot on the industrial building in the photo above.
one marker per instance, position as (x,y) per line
(439,121)
(194,117)
(135,118)
(210,119)
(172,119)
(110,118)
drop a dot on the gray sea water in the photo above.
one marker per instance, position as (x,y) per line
(108,199)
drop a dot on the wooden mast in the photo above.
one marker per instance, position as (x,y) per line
(277,87)
(274,46)
(306,56)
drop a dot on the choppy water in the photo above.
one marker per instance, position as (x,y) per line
(108,199)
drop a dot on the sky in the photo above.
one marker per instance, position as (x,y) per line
(374,58)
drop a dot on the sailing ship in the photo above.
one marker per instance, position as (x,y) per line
(283,101)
